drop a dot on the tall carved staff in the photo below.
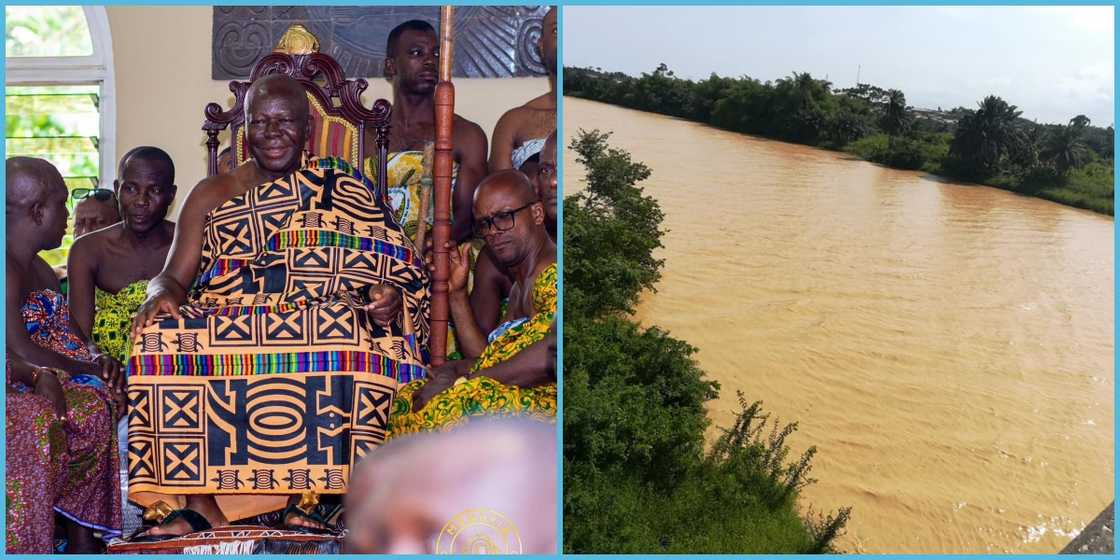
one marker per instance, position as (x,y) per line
(441,230)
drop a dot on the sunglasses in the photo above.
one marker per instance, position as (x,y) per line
(96,194)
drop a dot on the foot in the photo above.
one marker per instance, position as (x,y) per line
(80,540)
(296,521)
(204,506)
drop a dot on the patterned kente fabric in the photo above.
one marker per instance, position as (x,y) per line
(276,381)
(406,169)
(112,320)
(483,395)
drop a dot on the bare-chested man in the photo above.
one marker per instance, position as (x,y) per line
(411,65)
(520,133)
(110,268)
(512,373)
(492,282)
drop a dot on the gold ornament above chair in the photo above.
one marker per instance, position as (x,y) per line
(297,40)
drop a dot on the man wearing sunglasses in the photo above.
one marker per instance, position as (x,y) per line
(513,373)
(96,209)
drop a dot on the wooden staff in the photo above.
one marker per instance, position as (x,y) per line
(441,228)
(425,194)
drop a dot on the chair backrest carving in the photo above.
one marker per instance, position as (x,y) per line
(339,121)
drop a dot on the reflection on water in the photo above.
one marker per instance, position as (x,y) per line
(948,348)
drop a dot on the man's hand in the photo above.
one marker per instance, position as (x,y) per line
(460,257)
(163,303)
(459,260)
(48,385)
(386,304)
(440,378)
(112,372)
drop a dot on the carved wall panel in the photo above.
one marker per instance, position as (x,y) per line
(490,41)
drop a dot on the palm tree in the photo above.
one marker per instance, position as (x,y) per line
(985,138)
(1064,148)
(896,118)
(1079,122)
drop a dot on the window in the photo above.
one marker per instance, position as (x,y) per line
(59,94)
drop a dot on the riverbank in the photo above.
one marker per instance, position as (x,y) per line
(939,343)
(991,145)
(638,477)
(1089,187)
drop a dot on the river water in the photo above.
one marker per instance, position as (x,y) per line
(948,348)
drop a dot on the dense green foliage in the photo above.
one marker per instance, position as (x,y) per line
(992,144)
(636,474)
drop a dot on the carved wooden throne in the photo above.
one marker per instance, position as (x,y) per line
(339,121)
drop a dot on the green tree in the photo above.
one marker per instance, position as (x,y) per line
(1064,148)
(896,115)
(985,138)
(611,212)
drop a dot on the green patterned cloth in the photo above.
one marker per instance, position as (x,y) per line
(112,320)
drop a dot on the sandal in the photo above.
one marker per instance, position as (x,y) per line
(309,508)
(192,517)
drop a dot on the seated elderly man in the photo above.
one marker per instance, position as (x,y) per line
(513,373)
(81,384)
(277,374)
(492,283)
(110,268)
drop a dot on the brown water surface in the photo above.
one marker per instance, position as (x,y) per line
(947,347)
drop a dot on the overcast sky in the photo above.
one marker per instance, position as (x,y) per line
(1052,62)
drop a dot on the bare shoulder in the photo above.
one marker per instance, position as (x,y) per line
(512,116)
(542,102)
(209,193)
(468,133)
(467,129)
(91,244)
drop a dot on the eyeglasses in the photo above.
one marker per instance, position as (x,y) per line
(97,194)
(502,221)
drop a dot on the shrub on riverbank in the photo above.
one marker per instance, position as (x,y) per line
(991,144)
(636,475)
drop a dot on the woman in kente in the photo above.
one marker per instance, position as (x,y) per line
(270,347)
(514,373)
(110,268)
(83,387)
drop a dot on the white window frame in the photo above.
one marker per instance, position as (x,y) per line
(75,70)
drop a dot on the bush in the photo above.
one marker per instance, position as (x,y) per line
(636,477)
